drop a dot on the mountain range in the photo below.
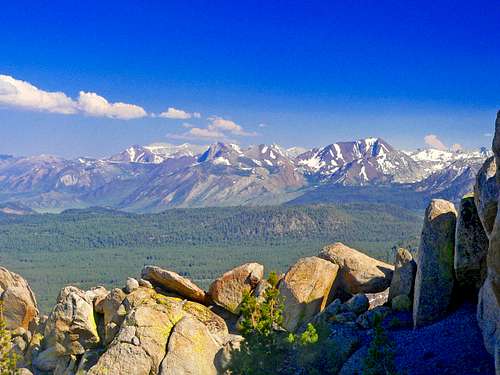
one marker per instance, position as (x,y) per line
(161,176)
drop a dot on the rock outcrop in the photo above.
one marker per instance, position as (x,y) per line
(305,290)
(113,315)
(358,273)
(403,279)
(358,304)
(173,282)
(227,291)
(488,313)
(141,342)
(191,350)
(486,194)
(19,303)
(70,330)
(434,280)
(148,332)
(471,247)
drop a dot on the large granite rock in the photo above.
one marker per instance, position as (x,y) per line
(19,303)
(191,350)
(141,342)
(146,321)
(486,194)
(305,289)
(489,296)
(214,323)
(173,282)
(113,311)
(434,279)
(471,247)
(488,317)
(227,291)
(70,329)
(358,272)
(403,279)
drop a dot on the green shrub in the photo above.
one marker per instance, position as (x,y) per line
(268,348)
(7,358)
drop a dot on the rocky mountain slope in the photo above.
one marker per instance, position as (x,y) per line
(362,162)
(160,176)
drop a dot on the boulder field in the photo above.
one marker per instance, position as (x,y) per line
(163,323)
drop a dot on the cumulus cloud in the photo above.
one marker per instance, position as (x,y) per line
(179,114)
(218,129)
(21,94)
(204,134)
(94,105)
(221,124)
(433,141)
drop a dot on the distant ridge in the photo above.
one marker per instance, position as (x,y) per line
(159,176)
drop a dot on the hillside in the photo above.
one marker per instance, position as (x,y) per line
(85,247)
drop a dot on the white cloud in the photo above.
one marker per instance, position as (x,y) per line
(94,105)
(488,134)
(433,141)
(262,125)
(219,123)
(202,134)
(218,129)
(21,94)
(178,114)
(206,133)
(456,147)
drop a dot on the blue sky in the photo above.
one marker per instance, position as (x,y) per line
(297,73)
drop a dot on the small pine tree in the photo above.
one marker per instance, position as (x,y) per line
(267,346)
(264,348)
(8,359)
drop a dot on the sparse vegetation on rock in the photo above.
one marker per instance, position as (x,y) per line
(8,359)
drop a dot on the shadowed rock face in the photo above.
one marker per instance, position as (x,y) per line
(471,247)
(305,289)
(434,279)
(486,194)
(358,273)
(403,279)
(489,296)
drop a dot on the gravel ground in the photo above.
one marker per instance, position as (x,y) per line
(453,345)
